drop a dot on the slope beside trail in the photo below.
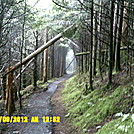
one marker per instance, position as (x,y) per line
(39,105)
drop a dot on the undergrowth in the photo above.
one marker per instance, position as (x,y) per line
(98,107)
(122,125)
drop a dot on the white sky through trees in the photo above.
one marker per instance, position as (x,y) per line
(42,4)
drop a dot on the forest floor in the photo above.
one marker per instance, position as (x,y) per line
(62,99)
(37,104)
(58,109)
(101,111)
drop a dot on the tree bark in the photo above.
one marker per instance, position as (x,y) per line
(10,106)
(4,88)
(100,41)
(35,75)
(117,62)
(91,49)
(52,62)
(115,31)
(95,46)
(111,43)
(45,57)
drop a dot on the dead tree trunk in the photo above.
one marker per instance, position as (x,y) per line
(39,50)
(10,106)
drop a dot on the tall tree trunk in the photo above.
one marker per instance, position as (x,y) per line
(10,106)
(41,67)
(131,34)
(35,74)
(117,62)
(111,43)
(100,41)
(82,57)
(1,21)
(45,58)
(52,62)
(115,31)
(61,66)
(91,49)
(21,51)
(95,46)
(24,74)
(4,88)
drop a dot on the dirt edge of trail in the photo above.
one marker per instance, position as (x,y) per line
(58,108)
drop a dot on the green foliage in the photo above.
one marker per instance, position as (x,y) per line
(37,22)
(53,79)
(41,84)
(86,111)
(70,33)
(118,126)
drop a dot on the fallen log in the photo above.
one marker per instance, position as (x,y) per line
(39,50)
(82,53)
(24,69)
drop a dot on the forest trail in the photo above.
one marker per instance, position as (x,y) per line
(38,105)
(58,108)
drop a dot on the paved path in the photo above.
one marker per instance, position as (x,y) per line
(38,105)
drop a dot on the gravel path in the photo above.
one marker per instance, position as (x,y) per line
(38,105)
